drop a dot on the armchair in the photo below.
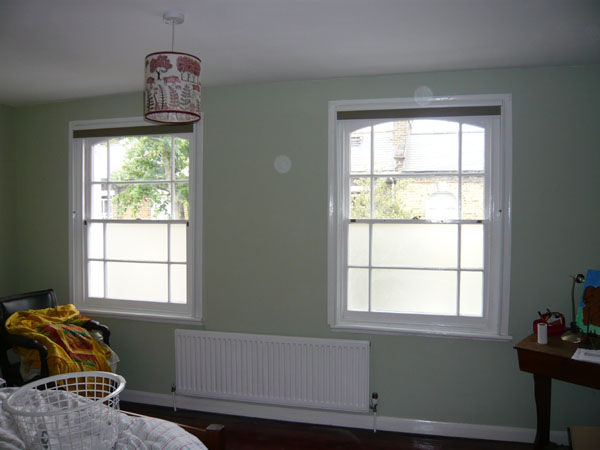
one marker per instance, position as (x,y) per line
(22,302)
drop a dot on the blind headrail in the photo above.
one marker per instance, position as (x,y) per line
(134,131)
(418,113)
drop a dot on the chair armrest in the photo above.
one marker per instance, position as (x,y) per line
(26,342)
(95,325)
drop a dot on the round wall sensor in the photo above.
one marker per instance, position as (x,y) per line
(173,17)
(282,164)
(423,95)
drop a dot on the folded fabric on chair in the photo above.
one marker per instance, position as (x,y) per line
(71,348)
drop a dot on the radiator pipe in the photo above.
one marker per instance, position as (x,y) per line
(374,402)
(173,389)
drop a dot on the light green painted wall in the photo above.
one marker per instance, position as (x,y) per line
(265,234)
(7,204)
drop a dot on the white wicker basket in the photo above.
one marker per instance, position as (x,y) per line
(71,411)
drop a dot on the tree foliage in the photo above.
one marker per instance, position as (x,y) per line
(388,202)
(149,158)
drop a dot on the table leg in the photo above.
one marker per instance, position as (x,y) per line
(543,392)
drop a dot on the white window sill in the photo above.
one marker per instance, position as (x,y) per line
(380,329)
(145,317)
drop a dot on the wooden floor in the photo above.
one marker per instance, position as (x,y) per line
(243,433)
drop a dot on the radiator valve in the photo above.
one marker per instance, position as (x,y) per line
(374,401)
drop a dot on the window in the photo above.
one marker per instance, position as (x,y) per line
(419,216)
(136,221)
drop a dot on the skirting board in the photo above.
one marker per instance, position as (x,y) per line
(339,419)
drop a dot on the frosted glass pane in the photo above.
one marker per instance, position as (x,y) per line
(360,198)
(414,291)
(472,246)
(96,279)
(95,240)
(473,197)
(471,294)
(473,148)
(358,244)
(358,289)
(178,283)
(178,243)
(136,242)
(360,151)
(415,245)
(99,162)
(137,281)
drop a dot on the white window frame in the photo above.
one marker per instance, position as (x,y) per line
(191,311)
(494,323)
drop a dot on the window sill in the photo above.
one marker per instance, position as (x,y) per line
(144,317)
(382,329)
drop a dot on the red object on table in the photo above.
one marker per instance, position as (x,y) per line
(555,322)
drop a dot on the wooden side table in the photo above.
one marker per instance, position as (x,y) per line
(552,360)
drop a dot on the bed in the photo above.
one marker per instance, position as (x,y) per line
(136,432)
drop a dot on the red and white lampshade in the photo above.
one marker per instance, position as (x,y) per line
(172,83)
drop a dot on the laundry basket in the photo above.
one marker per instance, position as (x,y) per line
(72,411)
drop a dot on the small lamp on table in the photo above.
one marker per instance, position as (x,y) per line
(574,334)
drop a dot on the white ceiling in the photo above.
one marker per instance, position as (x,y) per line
(64,49)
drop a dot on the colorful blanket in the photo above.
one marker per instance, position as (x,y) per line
(71,348)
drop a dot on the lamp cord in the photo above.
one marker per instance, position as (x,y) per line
(172,35)
(573,299)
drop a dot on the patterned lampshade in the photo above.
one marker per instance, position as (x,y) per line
(172,87)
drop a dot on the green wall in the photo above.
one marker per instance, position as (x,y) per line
(265,258)
(7,205)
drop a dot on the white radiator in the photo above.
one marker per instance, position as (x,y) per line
(291,371)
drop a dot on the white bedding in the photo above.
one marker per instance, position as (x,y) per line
(135,433)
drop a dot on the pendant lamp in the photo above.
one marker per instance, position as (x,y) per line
(172,82)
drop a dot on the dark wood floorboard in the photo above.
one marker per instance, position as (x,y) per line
(244,433)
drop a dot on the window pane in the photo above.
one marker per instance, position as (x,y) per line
(442,205)
(141,201)
(471,294)
(136,242)
(182,158)
(358,244)
(411,197)
(432,146)
(414,291)
(178,283)
(473,148)
(360,198)
(415,245)
(96,279)
(389,146)
(139,158)
(179,242)
(358,289)
(99,162)
(471,246)
(389,201)
(137,281)
(95,240)
(99,207)
(473,199)
(181,205)
(360,151)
